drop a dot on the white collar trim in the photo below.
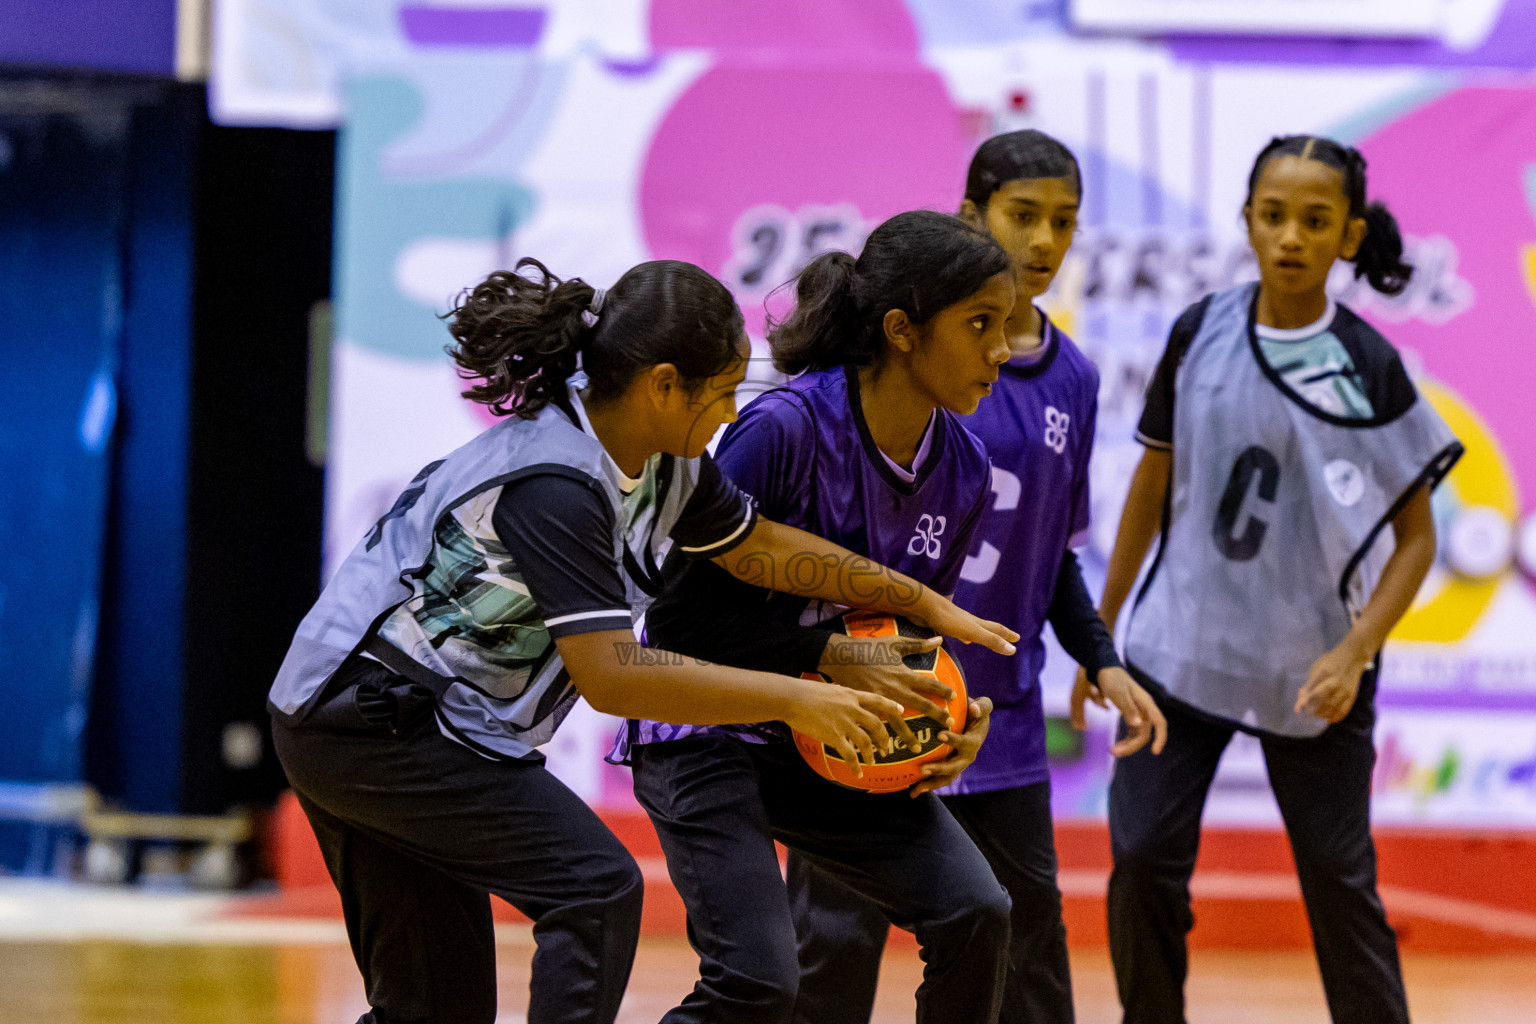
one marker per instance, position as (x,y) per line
(1300,333)
(910,475)
(626,483)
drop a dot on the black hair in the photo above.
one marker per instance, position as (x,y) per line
(1018,155)
(1380,257)
(919,262)
(520,332)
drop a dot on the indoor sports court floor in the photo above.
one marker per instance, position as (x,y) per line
(71,954)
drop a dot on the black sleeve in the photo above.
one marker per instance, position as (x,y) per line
(705,612)
(558,531)
(1392,393)
(1380,368)
(718,515)
(1156,427)
(1079,630)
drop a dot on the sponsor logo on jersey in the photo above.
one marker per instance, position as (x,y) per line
(1345,481)
(1056,423)
(926,540)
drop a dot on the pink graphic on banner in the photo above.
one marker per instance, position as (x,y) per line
(1456,168)
(764,162)
(776,27)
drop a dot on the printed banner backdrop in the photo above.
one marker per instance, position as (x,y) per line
(747,137)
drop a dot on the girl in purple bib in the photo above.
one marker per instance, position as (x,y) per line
(1024,188)
(865,448)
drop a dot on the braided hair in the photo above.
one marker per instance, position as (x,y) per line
(1380,257)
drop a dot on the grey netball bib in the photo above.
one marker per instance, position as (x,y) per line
(1277,531)
(433,580)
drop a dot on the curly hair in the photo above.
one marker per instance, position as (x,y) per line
(523,333)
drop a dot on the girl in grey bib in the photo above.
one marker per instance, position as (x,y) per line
(1288,474)
(503,582)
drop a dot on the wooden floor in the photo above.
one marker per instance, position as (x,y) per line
(113,981)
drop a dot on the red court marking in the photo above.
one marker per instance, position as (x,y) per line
(1446,891)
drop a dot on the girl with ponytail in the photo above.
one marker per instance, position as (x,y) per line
(1038,426)
(502,584)
(1369,239)
(864,447)
(1287,475)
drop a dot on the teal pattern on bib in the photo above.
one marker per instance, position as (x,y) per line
(1320,370)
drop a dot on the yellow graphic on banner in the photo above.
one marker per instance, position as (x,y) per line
(1529,266)
(1482,478)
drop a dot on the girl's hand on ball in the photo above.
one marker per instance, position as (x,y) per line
(967,745)
(850,722)
(943,616)
(874,665)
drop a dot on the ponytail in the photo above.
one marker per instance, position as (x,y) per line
(521,333)
(919,262)
(1380,257)
(824,329)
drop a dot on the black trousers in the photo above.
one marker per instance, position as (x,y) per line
(418,831)
(841,933)
(1323,787)
(719,803)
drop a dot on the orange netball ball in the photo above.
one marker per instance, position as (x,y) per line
(901,768)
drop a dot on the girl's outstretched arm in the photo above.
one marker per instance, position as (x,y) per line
(781,557)
(619,677)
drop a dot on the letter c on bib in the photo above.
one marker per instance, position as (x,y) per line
(1243,546)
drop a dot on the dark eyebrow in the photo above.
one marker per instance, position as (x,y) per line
(1020,203)
(1272,201)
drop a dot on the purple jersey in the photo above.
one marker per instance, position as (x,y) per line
(804,454)
(1038,427)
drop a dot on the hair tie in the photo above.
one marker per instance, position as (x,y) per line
(589,315)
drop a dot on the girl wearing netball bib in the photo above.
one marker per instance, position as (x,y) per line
(451,642)
(865,448)
(1288,473)
(1038,427)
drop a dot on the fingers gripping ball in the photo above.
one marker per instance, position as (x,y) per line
(902,767)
